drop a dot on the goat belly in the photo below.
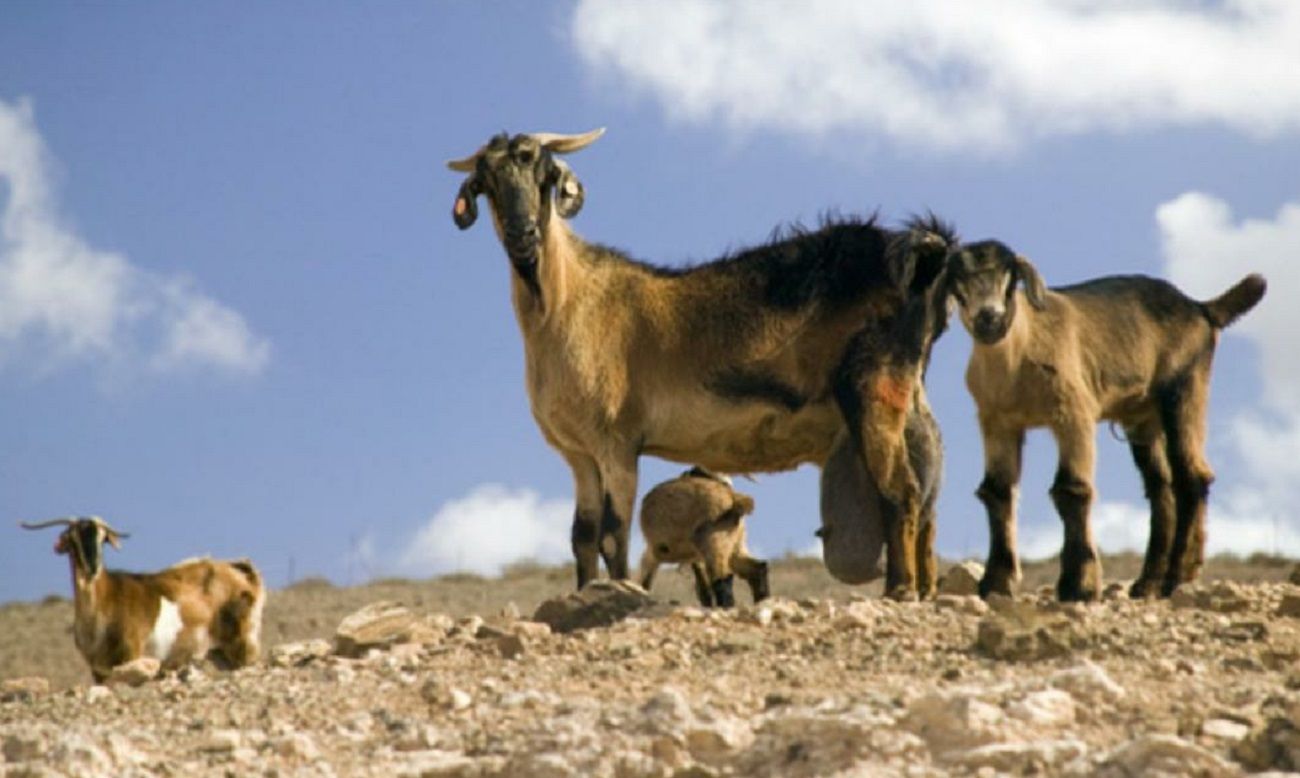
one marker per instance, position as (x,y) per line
(165,629)
(853,531)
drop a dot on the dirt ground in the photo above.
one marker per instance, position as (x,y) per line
(823,679)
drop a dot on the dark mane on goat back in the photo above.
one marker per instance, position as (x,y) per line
(833,263)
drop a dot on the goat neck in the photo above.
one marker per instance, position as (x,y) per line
(556,261)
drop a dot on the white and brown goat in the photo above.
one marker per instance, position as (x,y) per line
(698,519)
(195,609)
(1129,349)
(779,355)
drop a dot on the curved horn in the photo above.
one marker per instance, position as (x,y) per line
(466,164)
(107,527)
(43,524)
(565,144)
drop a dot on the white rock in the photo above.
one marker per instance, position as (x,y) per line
(1021,758)
(962,578)
(1088,683)
(1048,708)
(715,741)
(1167,755)
(955,721)
(80,754)
(135,672)
(298,745)
(1225,729)
(98,694)
(23,747)
(222,741)
(298,653)
(667,712)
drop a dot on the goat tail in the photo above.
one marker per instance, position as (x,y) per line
(1229,306)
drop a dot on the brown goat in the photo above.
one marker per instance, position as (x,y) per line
(758,362)
(698,519)
(195,609)
(1127,349)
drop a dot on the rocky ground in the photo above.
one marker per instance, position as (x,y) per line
(821,680)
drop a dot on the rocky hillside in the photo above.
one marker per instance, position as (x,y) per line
(616,683)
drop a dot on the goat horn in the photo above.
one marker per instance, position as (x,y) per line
(565,144)
(466,164)
(107,527)
(44,524)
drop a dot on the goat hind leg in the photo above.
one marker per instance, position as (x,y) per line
(927,572)
(754,571)
(1148,446)
(1183,414)
(703,591)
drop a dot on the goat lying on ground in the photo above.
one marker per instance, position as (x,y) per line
(1127,349)
(697,518)
(197,608)
(758,362)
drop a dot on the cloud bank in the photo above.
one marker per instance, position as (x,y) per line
(487,530)
(63,300)
(934,74)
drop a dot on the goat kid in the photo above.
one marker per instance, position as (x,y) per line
(1131,350)
(698,519)
(752,363)
(197,608)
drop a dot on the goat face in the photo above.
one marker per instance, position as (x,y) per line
(83,541)
(982,278)
(519,175)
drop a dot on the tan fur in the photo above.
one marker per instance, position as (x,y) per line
(618,357)
(1128,350)
(699,520)
(219,603)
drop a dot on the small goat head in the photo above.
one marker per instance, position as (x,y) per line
(83,540)
(982,278)
(518,174)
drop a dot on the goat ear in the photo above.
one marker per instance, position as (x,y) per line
(465,210)
(569,194)
(1035,290)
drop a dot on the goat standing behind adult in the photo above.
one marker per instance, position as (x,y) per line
(698,519)
(752,363)
(1128,349)
(195,609)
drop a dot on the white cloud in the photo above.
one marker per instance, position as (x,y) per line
(487,530)
(1116,526)
(62,299)
(933,73)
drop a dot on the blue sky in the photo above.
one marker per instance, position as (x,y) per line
(236,318)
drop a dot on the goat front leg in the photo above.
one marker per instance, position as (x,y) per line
(884,452)
(588,507)
(1002,447)
(1072,495)
(618,477)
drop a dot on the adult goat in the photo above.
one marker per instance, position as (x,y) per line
(776,356)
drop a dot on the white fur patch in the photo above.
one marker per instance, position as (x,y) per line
(165,629)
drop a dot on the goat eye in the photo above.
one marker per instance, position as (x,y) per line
(525,156)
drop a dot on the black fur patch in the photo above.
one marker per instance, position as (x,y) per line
(741,385)
(609,521)
(584,530)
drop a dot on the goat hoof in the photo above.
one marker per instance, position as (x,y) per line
(1077,593)
(903,594)
(995,585)
(1142,589)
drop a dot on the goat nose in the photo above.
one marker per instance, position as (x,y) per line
(986,317)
